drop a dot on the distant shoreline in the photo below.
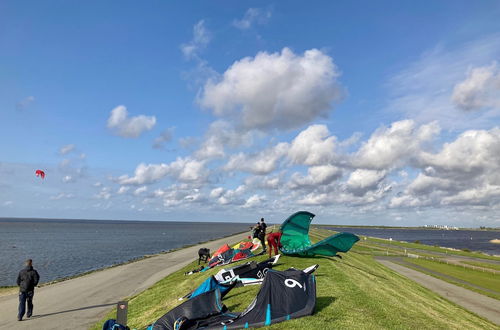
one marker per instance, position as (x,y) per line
(410,228)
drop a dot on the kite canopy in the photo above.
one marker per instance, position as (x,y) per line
(284,295)
(40,173)
(226,255)
(295,238)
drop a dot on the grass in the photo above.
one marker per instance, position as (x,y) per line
(482,264)
(482,279)
(7,290)
(355,292)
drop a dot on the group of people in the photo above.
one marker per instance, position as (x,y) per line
(273,239)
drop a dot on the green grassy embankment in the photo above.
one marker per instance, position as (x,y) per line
(477,278)
(355,292)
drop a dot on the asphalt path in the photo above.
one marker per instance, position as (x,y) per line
(479,304)
(80,302)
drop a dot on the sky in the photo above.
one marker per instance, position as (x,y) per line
(361,112)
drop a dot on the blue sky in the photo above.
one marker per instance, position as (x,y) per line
(360,112)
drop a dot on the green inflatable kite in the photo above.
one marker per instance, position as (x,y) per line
(295,238)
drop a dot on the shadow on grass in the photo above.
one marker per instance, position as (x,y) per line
(323,302)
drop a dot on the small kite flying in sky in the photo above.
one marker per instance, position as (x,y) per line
(40,173)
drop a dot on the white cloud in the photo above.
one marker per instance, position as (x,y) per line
(122,190)
(201,38)
(183,169)
(316,175)
(165,137)
(68,179)
(25,103)
(66,149)
(61,196)
(129,127)
(361,181)
(422,90)
(145,174)
(260,163)
(105,193)
(279,90)
(8,203)
(252,16)
(390,147)
(465,172)
(97,184)
(140,190)
(254,201)
(217,192)
(313,146)
(481,89)
(221,134)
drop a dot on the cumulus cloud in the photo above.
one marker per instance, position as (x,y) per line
(61,196)
(422,90)
(279,90)
(254,201)
(165,137)
(68,179)
(122,190)
(260,163)
(182,169)
(25,103)
(252,16)
(390,147)
(105,193)
(140,190)
(220,135)
(481,89)
(129,127)
(465,171)
(316,175)
(361,181)
(313,146)
(201,38)
(64,150)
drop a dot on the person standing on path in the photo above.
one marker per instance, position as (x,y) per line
(27,280)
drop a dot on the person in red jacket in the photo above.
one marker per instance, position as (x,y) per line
(273,240)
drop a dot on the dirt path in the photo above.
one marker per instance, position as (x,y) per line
(484,306)
(80,302)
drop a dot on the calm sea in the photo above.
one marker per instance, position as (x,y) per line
(61,248)
(473,240)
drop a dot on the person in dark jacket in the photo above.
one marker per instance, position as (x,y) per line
(262,234)
(27,280)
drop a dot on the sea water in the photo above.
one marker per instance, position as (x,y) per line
(473,240)
(62,248)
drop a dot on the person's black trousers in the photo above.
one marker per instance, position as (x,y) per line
(25,298)
(263,242)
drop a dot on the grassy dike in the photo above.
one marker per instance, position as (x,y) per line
(355,292)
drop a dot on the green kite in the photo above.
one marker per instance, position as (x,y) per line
(295,238)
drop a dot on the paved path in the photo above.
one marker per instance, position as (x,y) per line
(484,306)
(80,302)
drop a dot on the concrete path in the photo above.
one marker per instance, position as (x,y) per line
(484,306)
(80,302)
